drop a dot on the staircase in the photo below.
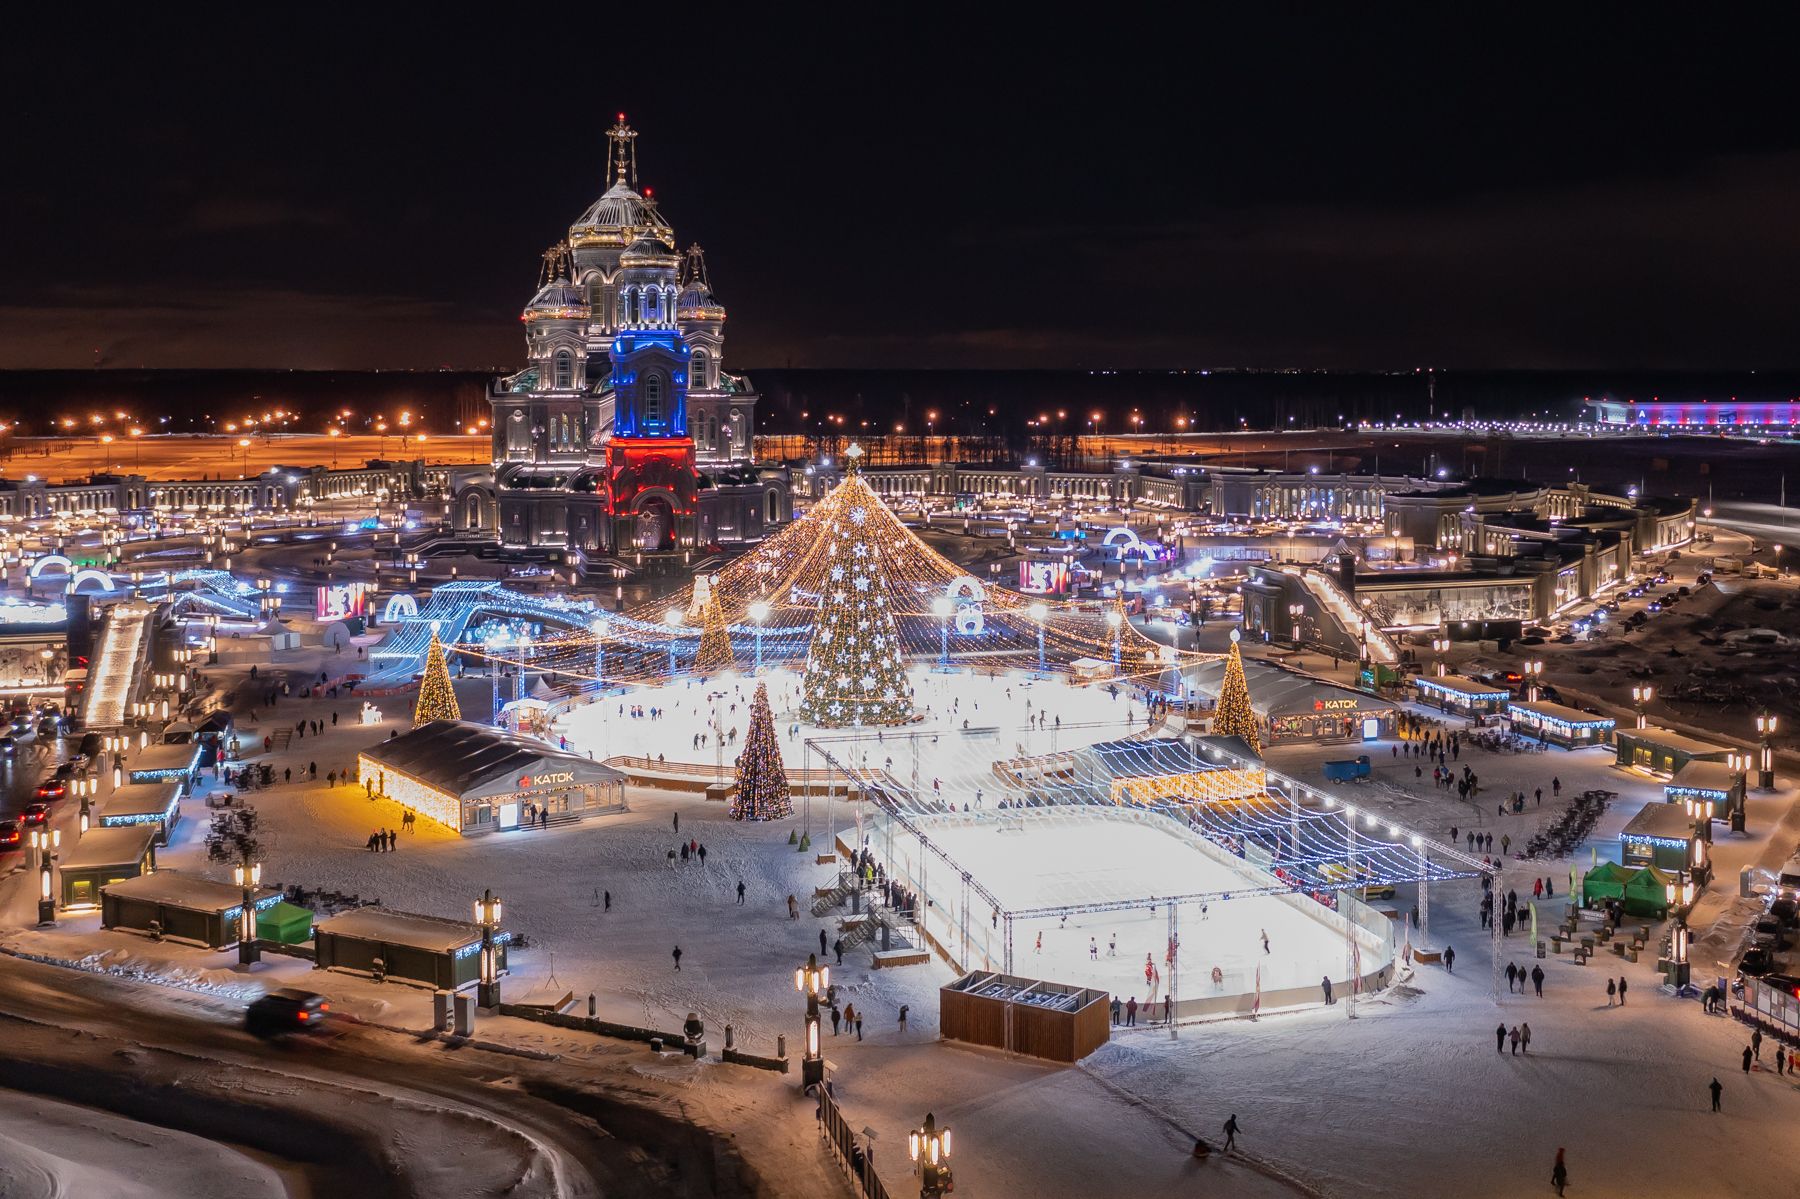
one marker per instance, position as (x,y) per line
(112,680)
(1332,598)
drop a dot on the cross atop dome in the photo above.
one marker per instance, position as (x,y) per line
(693,269)
(624,154)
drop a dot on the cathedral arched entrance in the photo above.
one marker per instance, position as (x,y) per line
(655,524)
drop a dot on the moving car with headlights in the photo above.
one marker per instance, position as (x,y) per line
(286,1012)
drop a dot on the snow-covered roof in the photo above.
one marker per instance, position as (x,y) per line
(1559,713)
(1668,821)
(141,799)
(1278,692)
(153,758)
(1669,739)
(476,761)
(1710,777)
(174,889)
(99,847)
(435,934)
(1459,684)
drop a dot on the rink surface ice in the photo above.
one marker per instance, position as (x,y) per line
(1038,859)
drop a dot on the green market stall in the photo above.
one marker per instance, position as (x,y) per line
(1605,881)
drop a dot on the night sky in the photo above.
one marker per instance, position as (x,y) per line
(1509,191)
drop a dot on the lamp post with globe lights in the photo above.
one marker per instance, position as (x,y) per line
(811,980)
(1765,754)
(929,1148)
(1440,646)
(1295,612)
(759,613)
(1680,894)
(487,915)
(1534,671)
(1040,612)
(941,608)
(247,875)
(1641,695)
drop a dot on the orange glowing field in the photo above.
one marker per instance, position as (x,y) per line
(194,456)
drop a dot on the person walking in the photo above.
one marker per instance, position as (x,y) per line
(837,1018)
(1622,985)
(821,942)
(1717,1088)
(1512,1035)
(678,822)
(1093,950)
(1231,1131)
(1559,1173)
(1512,977)
(1449,960)
(1500,1039)
(1525,1037)
(607,896)
(837,947)
(1612,992)
(1756,1042)
(1747,1057)
(793,909)
(1537,980)
(677,956)
(859,1026)
(740,891)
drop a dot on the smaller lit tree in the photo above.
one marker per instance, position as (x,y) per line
(437,698)
(762,782)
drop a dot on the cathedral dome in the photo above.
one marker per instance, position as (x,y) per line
(557,300)
(696,303)
(647,250)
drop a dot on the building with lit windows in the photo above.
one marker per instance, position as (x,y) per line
(623,437)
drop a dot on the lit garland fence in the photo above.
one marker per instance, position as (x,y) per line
(938,610)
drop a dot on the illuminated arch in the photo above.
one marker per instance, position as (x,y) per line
(399,607)
(99,577)
(47,561)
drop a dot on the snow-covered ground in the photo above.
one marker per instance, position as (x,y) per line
(52,1150)
(1408,1098)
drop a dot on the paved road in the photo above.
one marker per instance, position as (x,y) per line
(467,1116)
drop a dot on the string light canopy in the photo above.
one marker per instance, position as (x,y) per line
(776,601)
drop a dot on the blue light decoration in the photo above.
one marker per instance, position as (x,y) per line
(474,947)
(129,818)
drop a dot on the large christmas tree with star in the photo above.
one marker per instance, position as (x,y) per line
(437,698)
(855,672)
(762,782)
(1234,717)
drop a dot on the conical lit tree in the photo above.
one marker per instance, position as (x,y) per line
(762,782)
(1234,717)
(714,653)
(437,698)
(855,671)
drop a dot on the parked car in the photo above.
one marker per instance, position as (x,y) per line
(286,1012)
(1758,961)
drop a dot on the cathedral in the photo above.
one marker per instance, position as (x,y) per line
(623,438)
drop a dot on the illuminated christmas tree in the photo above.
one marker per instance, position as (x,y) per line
(437,698)
(714,653)
(855,671)
(762,782)
(1233,717)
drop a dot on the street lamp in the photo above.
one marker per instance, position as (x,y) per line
(46,841)
(1115,620)
(929,1148)
(247,875)
(487,915)
(941,607)
(1295,612)
(1534,670)
(1440,646)
(672,618)
(1680,895)
(1765,729)
(1040,612)
(759,612)
(1642,695)
(1700,811)
(811,980)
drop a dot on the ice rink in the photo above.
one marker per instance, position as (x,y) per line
(969,719)
(1045,858)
